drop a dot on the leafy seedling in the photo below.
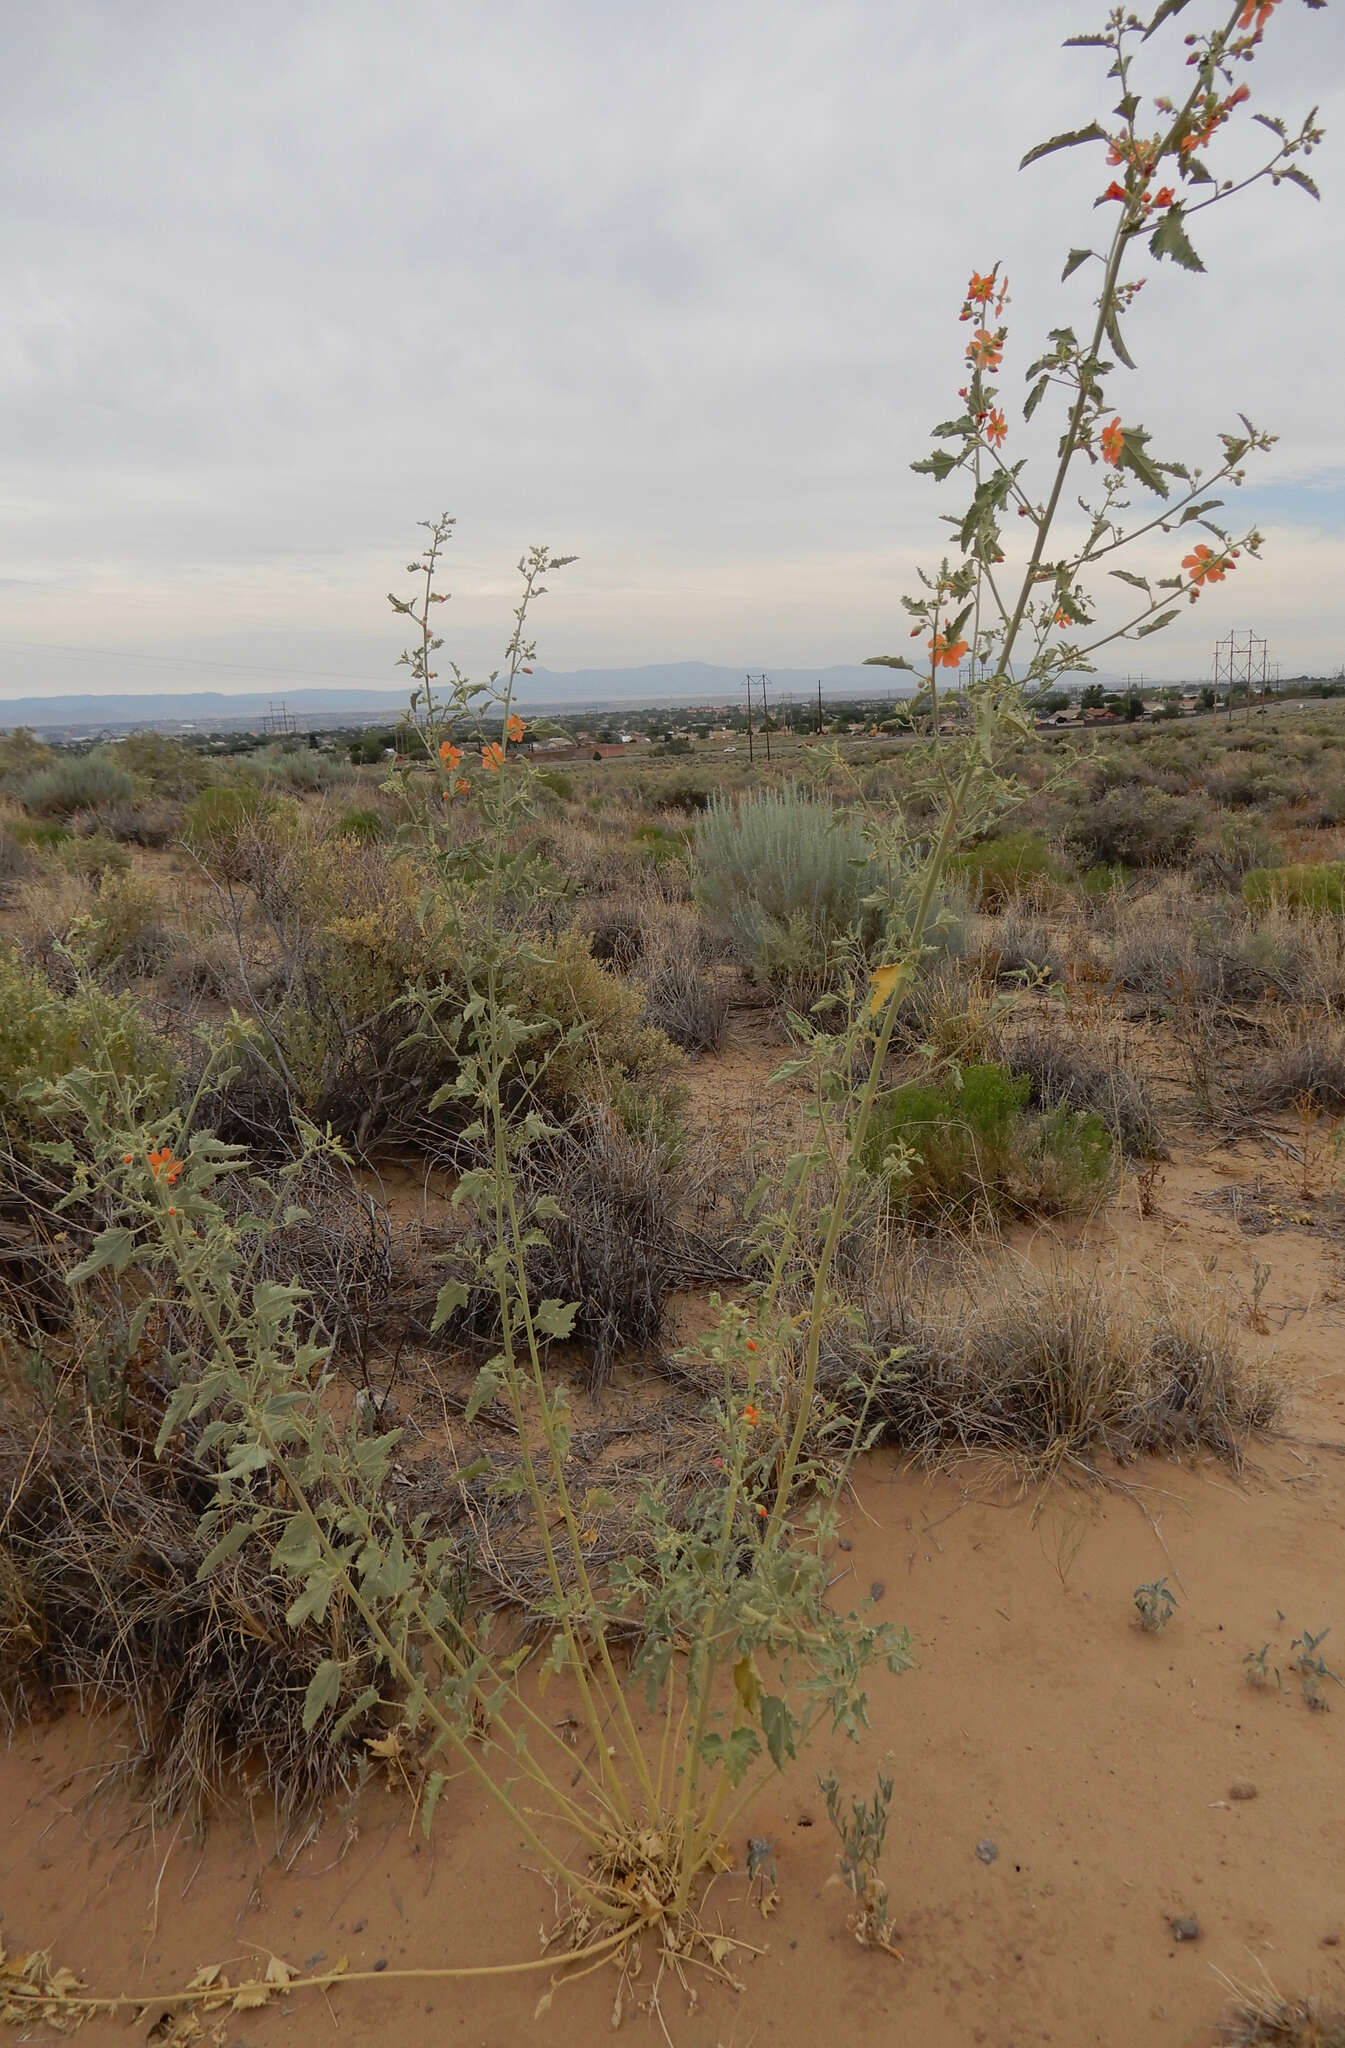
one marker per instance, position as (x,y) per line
(1313,1668)
(1156,1605)
(862,1833)
(1258,1669)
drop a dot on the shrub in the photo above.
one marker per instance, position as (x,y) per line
(1059,1368)
(1064,1074)
(221,828)
(368,826)
(692,797)
(78,782)
(784,876)
(999,869)
(16,862)
(1133,828)
(92,855)
(166,766)
(969,1144)
(1305,1062)
(1299,886)
(28,833)
(555,782)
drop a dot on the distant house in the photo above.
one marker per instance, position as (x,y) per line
(608,752)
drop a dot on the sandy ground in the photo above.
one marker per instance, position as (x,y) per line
(1099,1761)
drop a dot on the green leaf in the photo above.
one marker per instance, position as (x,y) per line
(484,1388)
(938,465)
(1113,331)
(734,1755)
(1299,177)
(358,1706)
(887,661)
(452,1297)
(228,1546)
(1129,576)
(777,1725)
(434,1785)
(1155,625)
(1139,464)
(1168,8)
(113,1248)
(1073,260)
(1035,397)
(1169,238)
(324,1690)
(555,1318)
(1092,133)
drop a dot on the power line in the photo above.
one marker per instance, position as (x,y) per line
(196,661)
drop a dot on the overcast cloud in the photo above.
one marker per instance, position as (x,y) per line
(673,288)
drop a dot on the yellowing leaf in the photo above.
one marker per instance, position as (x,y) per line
(883,984)
(385,1745)
(205,1977)
(278,1972)
(249,1996)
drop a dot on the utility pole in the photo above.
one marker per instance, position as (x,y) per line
(819,705)
(751,757)
(765,718)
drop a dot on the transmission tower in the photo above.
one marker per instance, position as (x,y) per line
(1240,662)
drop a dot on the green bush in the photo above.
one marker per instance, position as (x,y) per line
(45,1036)
(556,782)
(79,782)
(1299,886)
(368,826)
(29,833)
(999,869)
(220,827)
(91,855)
(784,877)
(658,844)
(165,766)
(972,1143)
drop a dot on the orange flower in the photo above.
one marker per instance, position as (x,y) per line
(491,756)
(751,1343)
(514,726)
(981,288)
(1061,617)
(1164,196)
(449,754)
(1204,565)
(751,1414)
(1113,442)
(947,654)
(761,1511)
(1114,191)
(462,787)
(996,427)
(1256,14)
(164,1166)
(985,350)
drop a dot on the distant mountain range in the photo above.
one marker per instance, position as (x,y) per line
(584,689)
(679,682)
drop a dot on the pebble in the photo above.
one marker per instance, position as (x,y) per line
(877,1590)
(1243,1789)
(844,1543)
(382,1963)
(987,1851)
(1184,1929)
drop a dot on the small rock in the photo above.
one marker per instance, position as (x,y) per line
(1243,1789)
(359,1927)
(1184,1929)
(1330,1941)
(844,1543)
(986,1851)
(382,1962)
(877,1590)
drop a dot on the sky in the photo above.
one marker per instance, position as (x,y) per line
(674,290)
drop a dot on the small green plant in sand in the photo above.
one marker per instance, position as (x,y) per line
(1312,1668)
(1155,1604)
(863,1832)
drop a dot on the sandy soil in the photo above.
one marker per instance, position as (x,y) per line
(1098,1760)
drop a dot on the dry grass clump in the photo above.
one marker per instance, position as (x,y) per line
(1270,2021)
(1304,1062)
(1060,1369)
(634,1227)
(100,1608)
(684,997)
(1064,1070)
